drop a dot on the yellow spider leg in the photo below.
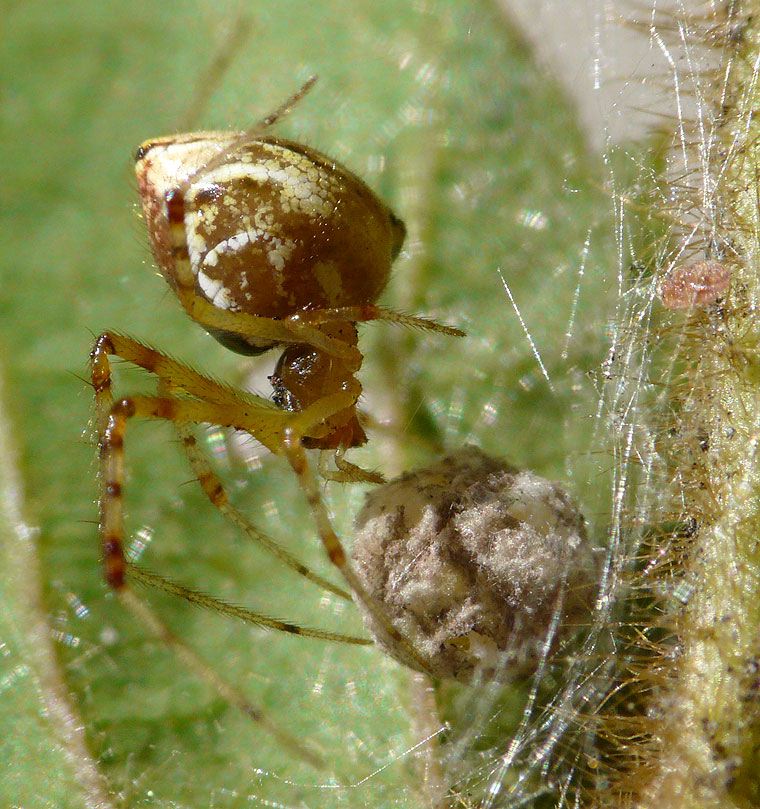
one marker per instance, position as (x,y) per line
(266,424)
(215,492)
(345,471)
(293,427)
(112,421)
(185,378)
(296,456)
(241,613)
(182,376)
(369,311)
(263,329)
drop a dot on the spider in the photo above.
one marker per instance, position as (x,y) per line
(266,243)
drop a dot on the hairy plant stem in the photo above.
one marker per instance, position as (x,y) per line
(706,729)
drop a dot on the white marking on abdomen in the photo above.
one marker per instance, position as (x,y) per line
(216,292)
(231,245)
(196,244)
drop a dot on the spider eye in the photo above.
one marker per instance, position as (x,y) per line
(142,150)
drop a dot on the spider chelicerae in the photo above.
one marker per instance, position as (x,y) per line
(266,243)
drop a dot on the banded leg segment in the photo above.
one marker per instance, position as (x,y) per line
(178,374)
(266,424)
(172,376)
(112,469)
(180,411)
(228,408)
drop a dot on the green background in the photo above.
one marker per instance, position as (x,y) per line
(439,107)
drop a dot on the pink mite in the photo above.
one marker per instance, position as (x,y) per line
(697,284)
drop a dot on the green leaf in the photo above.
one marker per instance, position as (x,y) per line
(440,108)
(41,743)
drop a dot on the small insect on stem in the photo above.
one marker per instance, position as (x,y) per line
(699,283)
(267,244)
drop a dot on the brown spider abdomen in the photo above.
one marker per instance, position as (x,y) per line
(275,229)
